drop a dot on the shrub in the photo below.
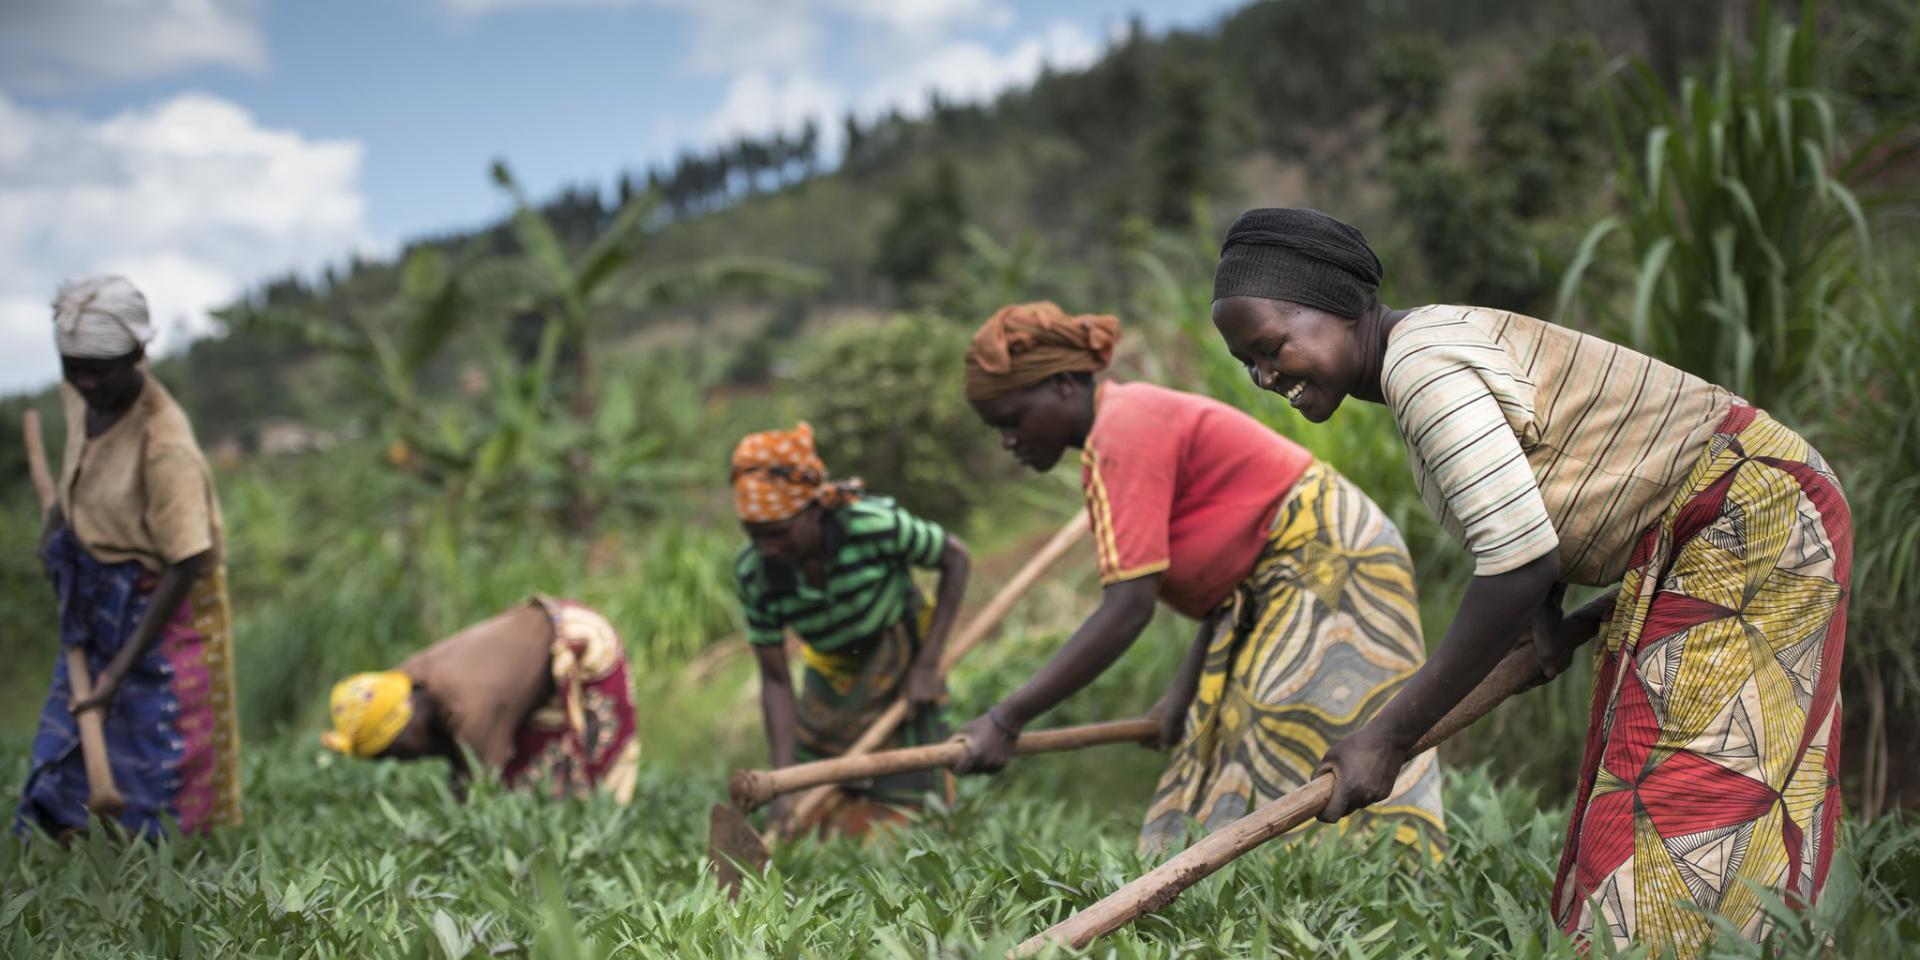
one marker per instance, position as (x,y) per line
(886,405)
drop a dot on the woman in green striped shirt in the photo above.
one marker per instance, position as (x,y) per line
(835,567)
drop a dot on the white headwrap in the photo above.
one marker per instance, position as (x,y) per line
(100,317)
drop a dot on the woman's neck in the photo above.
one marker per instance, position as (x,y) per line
(1087,408)
(1372,332)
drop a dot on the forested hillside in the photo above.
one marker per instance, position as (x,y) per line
(1404,116)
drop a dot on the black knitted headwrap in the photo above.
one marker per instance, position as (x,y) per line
(1299,255)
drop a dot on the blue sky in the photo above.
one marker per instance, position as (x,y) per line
(199,146)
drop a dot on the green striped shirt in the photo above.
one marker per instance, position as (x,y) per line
(869,586)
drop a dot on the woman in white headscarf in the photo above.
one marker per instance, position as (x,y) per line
(135,551)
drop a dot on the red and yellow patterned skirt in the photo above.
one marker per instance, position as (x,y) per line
(1712,757)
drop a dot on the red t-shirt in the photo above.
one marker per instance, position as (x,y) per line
(1183,486)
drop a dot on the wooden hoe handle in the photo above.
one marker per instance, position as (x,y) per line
(37,461)
(1158,887)
(754,788)
(979,628)
(103,797)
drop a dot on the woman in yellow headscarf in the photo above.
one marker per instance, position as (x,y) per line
(835,566)
(540,695)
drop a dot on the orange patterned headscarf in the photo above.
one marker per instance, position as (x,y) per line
(1026,343)
(776,474)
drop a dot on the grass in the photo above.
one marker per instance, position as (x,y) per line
(379,861)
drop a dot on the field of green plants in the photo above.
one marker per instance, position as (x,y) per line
(548,405)
(373,860)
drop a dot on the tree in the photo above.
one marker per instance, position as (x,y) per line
(854,153)
(809,148)
(1182,149)
(927,220)
(1537,136)
(1472,247)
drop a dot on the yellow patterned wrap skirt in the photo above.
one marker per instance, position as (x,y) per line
(1309,647)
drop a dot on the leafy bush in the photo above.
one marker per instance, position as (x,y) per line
(886,405)
(1489,263)
(1537,136)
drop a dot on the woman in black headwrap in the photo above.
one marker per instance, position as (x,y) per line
(1554,458)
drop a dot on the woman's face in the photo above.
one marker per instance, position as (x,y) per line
(105,384)
(1309,356)
(789,542)
(415,740)
(1038,423)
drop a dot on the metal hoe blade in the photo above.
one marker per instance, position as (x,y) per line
(733,846)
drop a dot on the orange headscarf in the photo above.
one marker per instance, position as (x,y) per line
(1026,343)
(776,474)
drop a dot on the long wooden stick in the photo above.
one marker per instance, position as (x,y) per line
(810,804)
(103,797)
(753,788)
(37,461)
(1159,886)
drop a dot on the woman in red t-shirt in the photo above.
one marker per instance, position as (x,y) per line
(1302,586)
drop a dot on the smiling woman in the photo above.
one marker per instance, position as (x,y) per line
(1555,457)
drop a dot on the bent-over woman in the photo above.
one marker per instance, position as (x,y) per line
(1555,457)
(135,551)
(835,566)
(1302,587)
(540,695)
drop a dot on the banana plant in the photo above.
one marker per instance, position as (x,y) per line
(391,348)
(573,295)
(581,290)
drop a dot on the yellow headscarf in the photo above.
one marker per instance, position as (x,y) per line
(369,711)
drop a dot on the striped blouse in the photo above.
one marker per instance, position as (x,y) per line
(869,586)
(1527,437)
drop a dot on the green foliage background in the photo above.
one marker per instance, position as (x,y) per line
(548,404)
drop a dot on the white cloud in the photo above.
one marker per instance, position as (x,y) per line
(58,45)
(923,16)
(774,55)
(190,198)
(756,102)
(968,71)
(730,36)
(481,7)
(965,71)
(929,18)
